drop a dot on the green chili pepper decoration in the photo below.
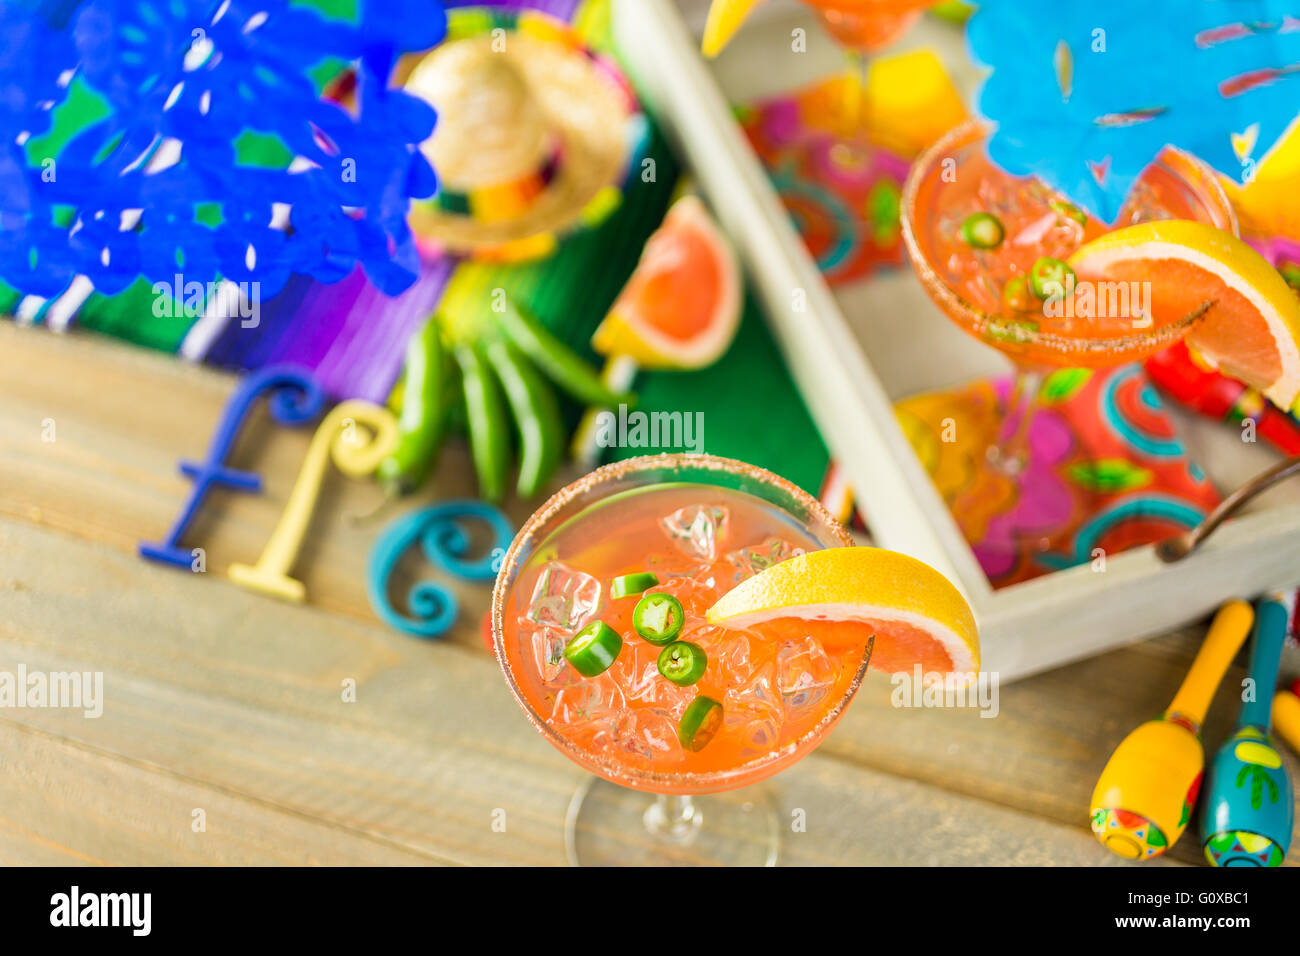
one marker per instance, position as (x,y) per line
(560,363)
(501,366)
(536,413)
(422,423)
(488,428)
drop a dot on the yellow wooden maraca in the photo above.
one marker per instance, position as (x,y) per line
(1144,797)
(1286,716)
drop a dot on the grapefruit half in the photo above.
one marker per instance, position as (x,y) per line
(681,307)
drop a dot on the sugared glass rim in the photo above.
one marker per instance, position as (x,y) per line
(686,782)
(1081,349)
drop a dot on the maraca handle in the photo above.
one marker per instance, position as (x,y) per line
(1227,634)
(1286,718)
(1271,619)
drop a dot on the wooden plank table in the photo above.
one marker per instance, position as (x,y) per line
(226,709)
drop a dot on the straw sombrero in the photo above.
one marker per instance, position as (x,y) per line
(533,138)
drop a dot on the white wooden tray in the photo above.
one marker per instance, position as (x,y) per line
(854,351)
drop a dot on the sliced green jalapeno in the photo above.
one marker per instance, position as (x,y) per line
(658,617)
(1050,276)
(593,649)
(683,663)
(628,584)
(700,723)
(983,230)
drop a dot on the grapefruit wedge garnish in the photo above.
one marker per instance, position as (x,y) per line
(1250,329)
(847,596)
(681,307)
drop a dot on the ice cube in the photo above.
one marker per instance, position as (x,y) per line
(695,598)
(696,529)
(634,675)
(699,631)
(804,675)
(753,711)
(703,577)
(731,656)
(714,580)
(642,682)
(757,558)
(588,703)
(548,655)
(649,734)
(563,599)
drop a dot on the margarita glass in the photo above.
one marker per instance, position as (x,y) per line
(991,249)
(861,27)
(699,525)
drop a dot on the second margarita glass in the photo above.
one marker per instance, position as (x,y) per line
(991,249)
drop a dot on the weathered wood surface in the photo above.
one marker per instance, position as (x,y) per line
(231,703)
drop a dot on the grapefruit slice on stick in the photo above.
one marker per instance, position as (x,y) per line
(848,596)
(1250,328)
(680,308)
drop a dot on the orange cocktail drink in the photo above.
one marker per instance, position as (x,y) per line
(690,540)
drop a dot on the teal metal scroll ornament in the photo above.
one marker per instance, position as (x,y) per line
(443,533)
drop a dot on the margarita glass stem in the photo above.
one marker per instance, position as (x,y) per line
(673,819)
(1010,453)
(859,67)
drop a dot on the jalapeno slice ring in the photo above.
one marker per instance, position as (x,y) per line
(683,663)
(593,649)
(1050,277)
(983,230)
(700,723)
(628,584)
(658,617)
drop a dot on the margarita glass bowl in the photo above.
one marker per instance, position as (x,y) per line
(954,179)
(595,526)
(868,25)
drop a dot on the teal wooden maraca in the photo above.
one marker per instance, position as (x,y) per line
(1248,809)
